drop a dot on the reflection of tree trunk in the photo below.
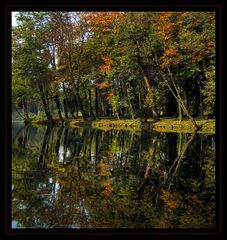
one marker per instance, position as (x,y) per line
(44,149)
(147,173)
(22,136)
(179,144)
(171,145)
(59,133)
(65,143)
(96,146)
(25,136)
(177,162)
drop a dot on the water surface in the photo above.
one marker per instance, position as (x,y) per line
(88,178)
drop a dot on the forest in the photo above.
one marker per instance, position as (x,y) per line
(113,65)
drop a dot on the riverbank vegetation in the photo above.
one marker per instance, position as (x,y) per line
(132,67)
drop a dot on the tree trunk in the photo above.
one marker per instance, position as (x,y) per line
(65,108)
(179,110)
(90,103)
(178,98)
(57,101)
(65,103)
(96,102)
(19,113)
(25,111)
(45,104)
(79,101)
(70,107)
(149,89)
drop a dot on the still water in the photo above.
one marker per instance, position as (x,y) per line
(89,178)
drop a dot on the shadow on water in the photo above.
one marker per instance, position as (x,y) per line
(88,178)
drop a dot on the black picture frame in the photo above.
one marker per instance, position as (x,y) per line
(6,231)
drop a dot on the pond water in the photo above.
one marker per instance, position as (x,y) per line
(89,178)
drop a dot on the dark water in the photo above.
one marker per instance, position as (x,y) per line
(88,178)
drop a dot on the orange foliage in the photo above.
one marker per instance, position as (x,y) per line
(107,188)
(110,95)
(102,21)
(105,68)
(101,175)
(170,52)
(165,15)
(169,200)
(165,27)
(210,44)
(103,85)
(101,165)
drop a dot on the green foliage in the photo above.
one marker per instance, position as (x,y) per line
(209,93)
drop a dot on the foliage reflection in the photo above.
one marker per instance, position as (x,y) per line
(88,178)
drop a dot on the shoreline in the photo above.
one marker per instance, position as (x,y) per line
(163,125)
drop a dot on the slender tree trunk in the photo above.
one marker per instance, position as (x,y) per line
(70,107)
(25,111)
(149,89)
(65,108)
(65,102)
(19,113)
(96,102)
(117,113)
(178,98)
(45,104)
(79,101)
(58,104)
(179,110)
(140,106)
(90,103)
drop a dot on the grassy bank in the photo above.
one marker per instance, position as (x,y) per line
(164,125)
(71,122)
(124,124)
(174,125)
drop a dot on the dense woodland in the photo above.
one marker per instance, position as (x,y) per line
(113,64)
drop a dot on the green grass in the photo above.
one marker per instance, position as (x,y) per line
(174,125)
(124,124)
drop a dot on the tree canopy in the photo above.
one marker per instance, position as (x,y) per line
(114,64)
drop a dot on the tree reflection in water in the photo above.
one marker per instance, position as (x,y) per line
(88,178)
